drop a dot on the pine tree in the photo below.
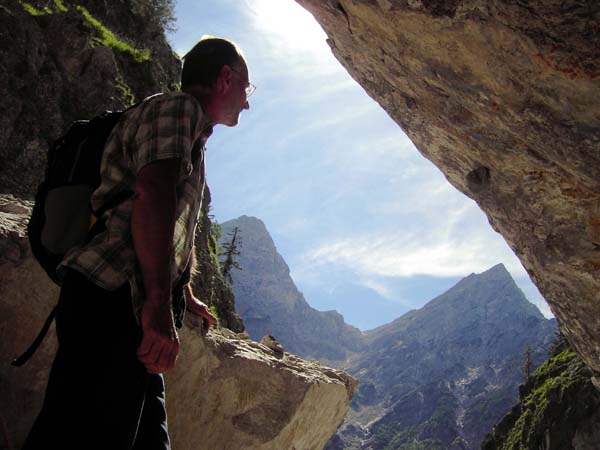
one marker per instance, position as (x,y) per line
(230,251)
(559,344)
(527,366)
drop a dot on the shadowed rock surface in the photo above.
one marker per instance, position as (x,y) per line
(55,70)
(503,97)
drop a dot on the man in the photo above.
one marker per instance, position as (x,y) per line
(116,320)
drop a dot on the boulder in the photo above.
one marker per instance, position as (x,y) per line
(227,392)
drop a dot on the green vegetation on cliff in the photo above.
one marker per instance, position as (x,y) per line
(126,93)
(36,11)
(108,38)
(60,6)
(215,235)
(104,36)
(557,401)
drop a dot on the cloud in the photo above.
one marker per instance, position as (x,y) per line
(434,249)
(381,288)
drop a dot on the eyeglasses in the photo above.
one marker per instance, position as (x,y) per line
(250,88)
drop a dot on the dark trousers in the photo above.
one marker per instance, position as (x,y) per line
(99,396)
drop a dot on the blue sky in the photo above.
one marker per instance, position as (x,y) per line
(367,225)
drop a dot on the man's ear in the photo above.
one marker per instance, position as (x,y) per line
(224,80)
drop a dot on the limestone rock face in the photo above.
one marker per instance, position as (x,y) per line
(55,70)
(230,393)
(504,98)
(227,392)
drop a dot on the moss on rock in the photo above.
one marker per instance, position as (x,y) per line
(556,403)
(103,35)
(106,37)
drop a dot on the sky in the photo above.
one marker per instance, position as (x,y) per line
(367,225)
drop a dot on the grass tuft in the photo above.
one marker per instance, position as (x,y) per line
(35,11)
(60,6)
(126,92)
(108,39)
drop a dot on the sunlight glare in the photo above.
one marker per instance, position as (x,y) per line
(287,20)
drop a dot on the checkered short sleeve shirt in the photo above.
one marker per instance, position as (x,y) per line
(163,126)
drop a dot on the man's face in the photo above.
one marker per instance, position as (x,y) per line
(234,99)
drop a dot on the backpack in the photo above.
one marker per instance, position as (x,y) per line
(62,217)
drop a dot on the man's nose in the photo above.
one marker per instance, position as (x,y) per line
(246,105)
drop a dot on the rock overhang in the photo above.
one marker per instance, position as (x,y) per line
(505,99)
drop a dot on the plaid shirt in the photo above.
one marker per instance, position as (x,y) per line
(163,126)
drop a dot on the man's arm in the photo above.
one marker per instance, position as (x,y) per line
(152,228)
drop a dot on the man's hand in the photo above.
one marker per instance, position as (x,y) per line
(160,344)
(198,308)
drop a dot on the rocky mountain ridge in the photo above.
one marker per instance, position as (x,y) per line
(440,376)
(269,302)
(456,361)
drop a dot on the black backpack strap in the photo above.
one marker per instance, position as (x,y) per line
(97,228)
(18,362)
(178,296)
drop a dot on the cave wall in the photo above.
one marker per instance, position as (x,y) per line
(503,97)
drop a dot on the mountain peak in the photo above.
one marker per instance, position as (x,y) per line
(270,303)
(497,269)
(247,222)
(498,272)
(490,297)
(254,238)
(495,288)
(467,345)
